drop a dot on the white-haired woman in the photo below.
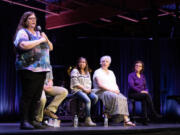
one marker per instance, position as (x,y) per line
(105,86)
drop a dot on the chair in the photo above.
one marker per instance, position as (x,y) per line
(174,97)
(70,106)
(134,117)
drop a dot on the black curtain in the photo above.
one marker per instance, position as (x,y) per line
(161,58)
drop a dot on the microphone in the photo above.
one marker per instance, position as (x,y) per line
(39,28)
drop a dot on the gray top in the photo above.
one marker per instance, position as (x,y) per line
(79,79)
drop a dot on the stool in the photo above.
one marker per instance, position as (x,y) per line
(134,116)
(71,106)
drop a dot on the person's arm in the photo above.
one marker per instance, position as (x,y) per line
(145,86)
(25,44)
(22,41)
(117,90)
(131,84)
(83,88)
(48,41)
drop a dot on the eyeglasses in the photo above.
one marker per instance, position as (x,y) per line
(32,18)
(138,65)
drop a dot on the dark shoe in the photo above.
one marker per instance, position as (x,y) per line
(37,125)
(26,126)
(50,114)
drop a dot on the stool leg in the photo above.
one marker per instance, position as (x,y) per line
(134,111)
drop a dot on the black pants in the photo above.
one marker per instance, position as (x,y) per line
(32,86)
(146,101)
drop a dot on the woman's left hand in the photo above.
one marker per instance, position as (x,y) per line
(50,83)
(44,35)
(49,43)
(87,91)
(116,91)
(48,86)
(145,92)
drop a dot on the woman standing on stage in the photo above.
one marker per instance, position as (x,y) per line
(81,87)
(105,86)
(32,63)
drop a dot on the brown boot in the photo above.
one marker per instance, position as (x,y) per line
(89,122)
(50,114)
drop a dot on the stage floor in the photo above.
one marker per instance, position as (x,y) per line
(67,129)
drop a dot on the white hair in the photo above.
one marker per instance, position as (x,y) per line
(105,57)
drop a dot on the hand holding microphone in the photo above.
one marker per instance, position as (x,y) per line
(43,35)
(45,38)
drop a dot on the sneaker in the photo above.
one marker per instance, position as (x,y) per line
(50,114)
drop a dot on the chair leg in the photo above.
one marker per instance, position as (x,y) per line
(133,111)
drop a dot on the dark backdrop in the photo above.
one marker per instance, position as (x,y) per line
(160,55)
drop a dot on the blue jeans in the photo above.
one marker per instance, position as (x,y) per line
(87,98)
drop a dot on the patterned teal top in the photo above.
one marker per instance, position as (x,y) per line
(35,59)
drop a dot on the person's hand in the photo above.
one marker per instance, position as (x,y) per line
(48,86)
(44,36)
(144,92)
(50,83)
(87,91)
(116,91)
(42,39)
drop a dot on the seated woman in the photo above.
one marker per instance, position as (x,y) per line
(106,88)
(81,86)
(138,89)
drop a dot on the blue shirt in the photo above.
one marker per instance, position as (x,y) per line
(35,59)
